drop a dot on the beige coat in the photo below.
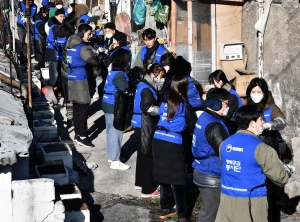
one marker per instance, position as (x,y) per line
(233,209)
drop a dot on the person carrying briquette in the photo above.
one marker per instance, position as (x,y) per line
(246,162)
(210,131)
(81,82)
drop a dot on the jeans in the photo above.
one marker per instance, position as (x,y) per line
(179,196)
(113,139)
(53,73)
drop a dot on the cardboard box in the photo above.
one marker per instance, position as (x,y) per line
(241,83)
(181,31)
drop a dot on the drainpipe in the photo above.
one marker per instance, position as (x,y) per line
(13,25)
(260,42)
(190,33)
(213,37)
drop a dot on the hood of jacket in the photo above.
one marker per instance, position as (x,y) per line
(270,101)
(179,67)
(73,41)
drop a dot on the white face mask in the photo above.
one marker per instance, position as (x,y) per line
(93,26)
(109,36)
(167,68)
(261,129)
(225,111)
(70,10)
(159,82)
(58,6)
(256,97)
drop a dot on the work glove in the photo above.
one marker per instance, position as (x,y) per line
(289,168)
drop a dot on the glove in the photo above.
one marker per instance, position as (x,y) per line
(289,168)
(267,126)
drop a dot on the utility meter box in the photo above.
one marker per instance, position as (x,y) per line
(231,50)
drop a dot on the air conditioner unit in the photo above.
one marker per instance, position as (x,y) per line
(231,50)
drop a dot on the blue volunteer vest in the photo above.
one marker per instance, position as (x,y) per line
(51,38)
(233,92)
(193,93)
(33,8)
(60,43)
(122,47)
(159,52)
(99,32)
(240,171)
(268,114)
(76,70)
(171,131)
(137,116)
(36,31)
(109,87)
(206,159)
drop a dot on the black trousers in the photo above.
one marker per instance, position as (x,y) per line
(144,174)
(179,196)
(80,116)
(210,203)
(22,39)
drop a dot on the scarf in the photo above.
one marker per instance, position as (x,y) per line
(149,52)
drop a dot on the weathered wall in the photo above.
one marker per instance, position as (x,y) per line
(281,56)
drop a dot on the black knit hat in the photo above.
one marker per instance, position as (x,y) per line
(120,37)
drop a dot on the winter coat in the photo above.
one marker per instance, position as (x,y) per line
(50,54)
(81,91)
(233,209)
(169,158)
(39,39)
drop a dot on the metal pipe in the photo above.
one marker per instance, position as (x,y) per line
(190,33)
(28,15)
(260,42)
(13,25)
(213,37)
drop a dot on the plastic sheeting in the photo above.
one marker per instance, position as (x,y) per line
(15,134)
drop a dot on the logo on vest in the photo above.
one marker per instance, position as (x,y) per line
(230,148)
(233,165)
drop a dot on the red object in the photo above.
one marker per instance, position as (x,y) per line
(45,88)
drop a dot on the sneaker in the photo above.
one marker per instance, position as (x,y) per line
(137,187)
(84,141)
(165,213)
(118,165)
(156,193)
(96,96)
(122,159)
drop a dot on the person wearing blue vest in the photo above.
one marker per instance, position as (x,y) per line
(50,54)
(174,65)
(150,53)
(98,34)
(210,131)
(117,81)
(175,116)
(246,162)
(146,107)
(109,30)
(21,25)
(258,93)
(119,42)
(218,79)
(81,58)
(40,36)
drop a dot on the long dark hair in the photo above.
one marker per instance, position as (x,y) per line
(66,29)
(120,59)
(217,76)
(261,83)
(168,59)
(178,94)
